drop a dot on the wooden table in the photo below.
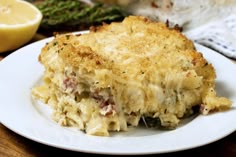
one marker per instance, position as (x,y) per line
(14,145)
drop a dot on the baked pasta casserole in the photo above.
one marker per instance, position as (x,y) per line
(120,74)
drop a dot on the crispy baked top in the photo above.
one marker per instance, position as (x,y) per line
(135,47)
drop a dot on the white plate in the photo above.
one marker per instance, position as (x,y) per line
(20,71)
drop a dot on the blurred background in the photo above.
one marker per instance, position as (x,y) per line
(76,15)
(211,23)
(80,14)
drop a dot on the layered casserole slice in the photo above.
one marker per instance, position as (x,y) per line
(121,73)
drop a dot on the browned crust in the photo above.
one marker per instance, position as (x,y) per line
(83,50)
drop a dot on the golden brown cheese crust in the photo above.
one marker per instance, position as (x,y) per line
(124,71)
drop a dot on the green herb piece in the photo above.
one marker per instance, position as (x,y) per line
(71,15)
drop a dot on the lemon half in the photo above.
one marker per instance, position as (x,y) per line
(19,21)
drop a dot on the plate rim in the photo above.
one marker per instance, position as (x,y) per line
(22,51)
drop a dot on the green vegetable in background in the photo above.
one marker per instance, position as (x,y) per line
(71,15)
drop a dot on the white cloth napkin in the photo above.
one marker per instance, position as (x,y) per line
(219,35)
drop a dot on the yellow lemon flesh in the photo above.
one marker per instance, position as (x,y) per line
(19,21)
